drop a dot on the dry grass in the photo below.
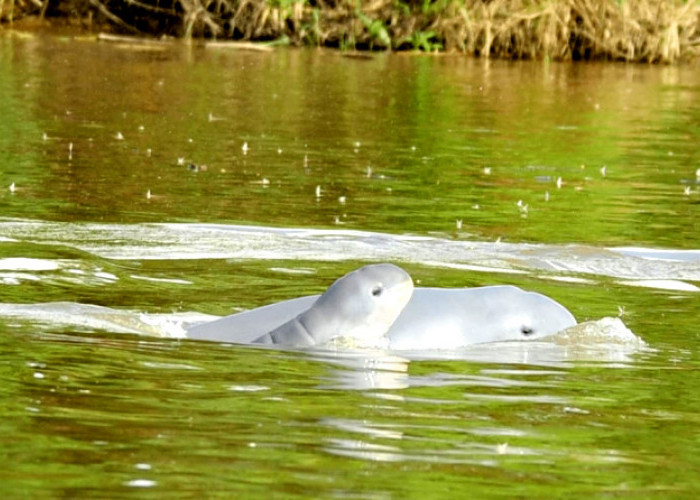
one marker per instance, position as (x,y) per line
(630,30)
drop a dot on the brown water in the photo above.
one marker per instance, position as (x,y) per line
(401,147)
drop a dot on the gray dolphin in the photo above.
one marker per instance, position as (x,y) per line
(433,318)
(361,305)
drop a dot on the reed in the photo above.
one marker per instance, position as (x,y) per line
(628,30)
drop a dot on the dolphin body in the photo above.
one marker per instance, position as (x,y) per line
(376,301)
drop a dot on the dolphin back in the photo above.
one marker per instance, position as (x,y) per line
(249,326)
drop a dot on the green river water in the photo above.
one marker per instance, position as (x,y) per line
(161,183)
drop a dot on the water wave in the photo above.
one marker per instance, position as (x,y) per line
(667,268)
(605,340)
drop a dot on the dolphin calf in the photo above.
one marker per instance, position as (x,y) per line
(376,301)
(361,305)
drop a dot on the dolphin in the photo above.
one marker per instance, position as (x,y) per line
(426,319)
(362,305)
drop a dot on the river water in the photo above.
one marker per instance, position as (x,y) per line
(144,187)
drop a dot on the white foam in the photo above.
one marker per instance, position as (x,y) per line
(297,270)
(659,253)
(218,241)
(680,286)
(471,267)
(106,276)
(17,278)
(26,264)
(568,279)
(141,483)
(248,388)
(175,281)
(604,331)
(93,317)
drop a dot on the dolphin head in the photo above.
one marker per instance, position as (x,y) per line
(362,305)
(451,318)
(527,315)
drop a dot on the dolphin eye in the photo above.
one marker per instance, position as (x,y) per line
(377,290)
(526,330)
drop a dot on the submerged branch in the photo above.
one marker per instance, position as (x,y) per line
(113,18)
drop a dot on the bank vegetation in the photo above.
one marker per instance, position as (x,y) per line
(629,30)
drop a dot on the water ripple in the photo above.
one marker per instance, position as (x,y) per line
(216,241)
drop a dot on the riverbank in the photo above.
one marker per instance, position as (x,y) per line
(655,31)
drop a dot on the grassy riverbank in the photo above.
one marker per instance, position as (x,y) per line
(640,30)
